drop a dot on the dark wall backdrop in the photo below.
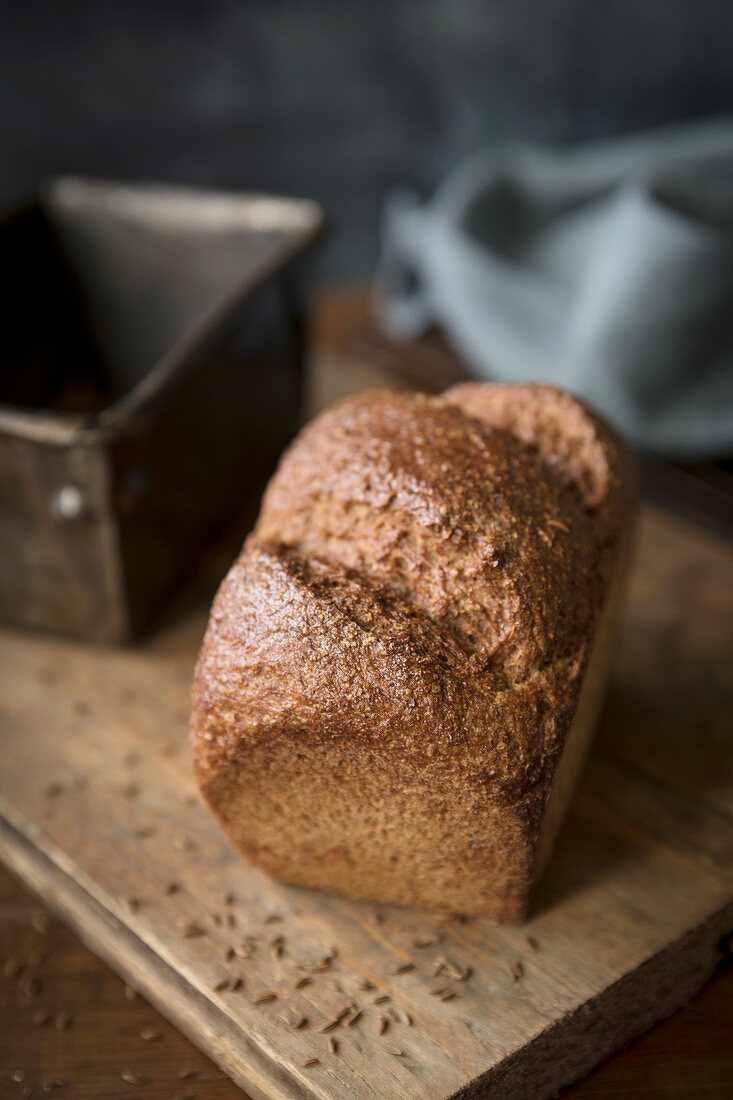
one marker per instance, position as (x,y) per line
(338,100)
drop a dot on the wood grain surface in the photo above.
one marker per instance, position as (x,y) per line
(111,1030)
(100,815)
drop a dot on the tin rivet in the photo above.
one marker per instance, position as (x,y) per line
(68,502)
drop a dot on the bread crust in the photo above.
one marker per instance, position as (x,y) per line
(393,663)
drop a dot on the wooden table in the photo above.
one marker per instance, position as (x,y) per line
(64,1016)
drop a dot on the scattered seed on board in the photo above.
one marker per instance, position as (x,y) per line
(192,930)
(187,1074)
(517,970)
(132,790)
(404,969)
(295,1022)
(221,986)
(382,999)
(134,904)
(532,942)
(405,1017)
(56,1083)
(277,946)
(130,993)
(231,920)
(63,1021)
(227,899)
(131,1077)
(30,986)
(263,998)
(302,982)
(172,888)
(324,964)
(333,1044)
(448,995)
(18,1075)
(394,1050)
(431,942)
(330,1024)
(242,951)
(273,918)
(150,1035)
(383,1024)
(53,790)
(237,984)
(13,968)
(41,1017)
(310,1062)
(351,1020)
(455,974)
(367,985)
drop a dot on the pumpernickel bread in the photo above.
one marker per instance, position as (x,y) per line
(402,667)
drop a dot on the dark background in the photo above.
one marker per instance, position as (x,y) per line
(339,100)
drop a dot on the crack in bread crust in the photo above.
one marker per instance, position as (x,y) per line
(461,519)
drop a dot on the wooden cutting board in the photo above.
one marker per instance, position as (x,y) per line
(99,814)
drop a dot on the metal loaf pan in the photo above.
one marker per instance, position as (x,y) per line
(150,374)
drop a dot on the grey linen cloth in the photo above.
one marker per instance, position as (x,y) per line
(606,269)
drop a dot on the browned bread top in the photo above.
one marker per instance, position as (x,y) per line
(582,449)
(424,578)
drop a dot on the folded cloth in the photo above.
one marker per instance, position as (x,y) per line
(606,269)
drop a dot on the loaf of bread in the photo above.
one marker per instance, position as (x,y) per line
(401,669)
